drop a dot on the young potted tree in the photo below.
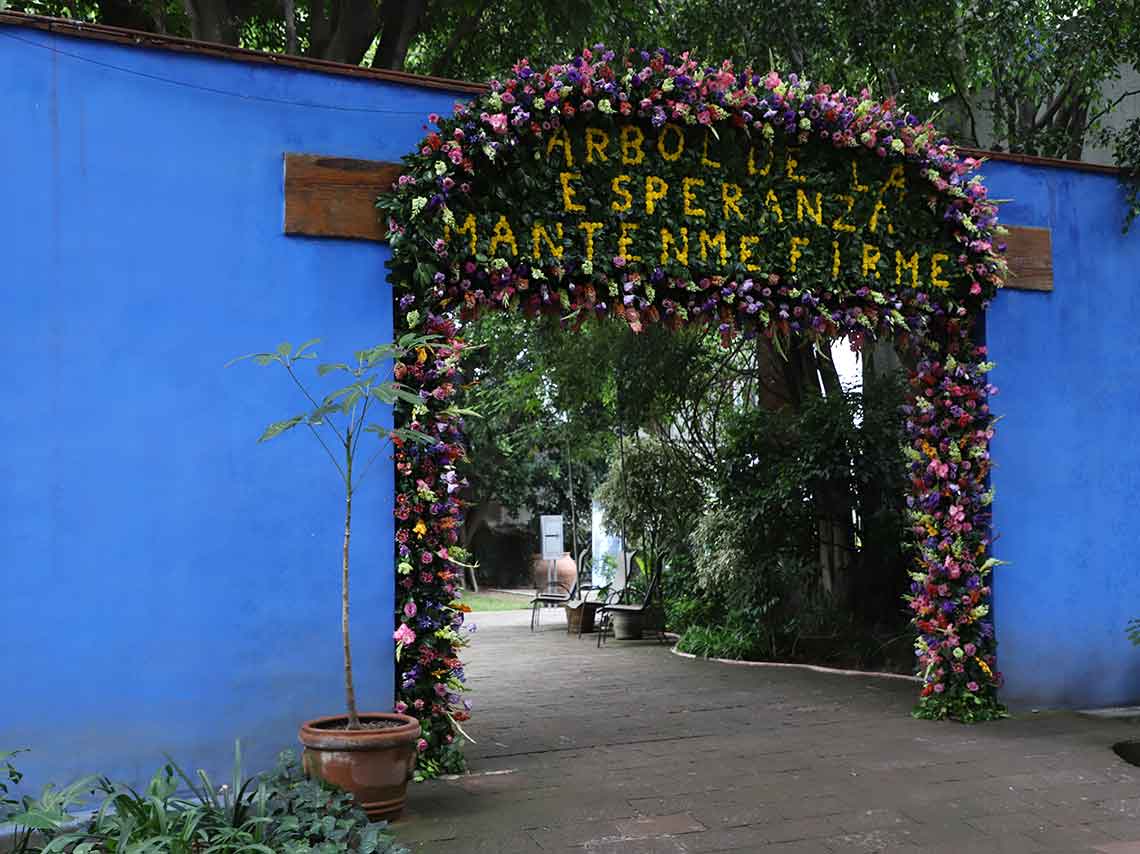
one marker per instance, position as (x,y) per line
(371,754)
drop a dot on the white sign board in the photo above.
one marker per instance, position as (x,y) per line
(552,546)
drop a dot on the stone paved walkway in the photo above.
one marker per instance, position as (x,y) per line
(631,749)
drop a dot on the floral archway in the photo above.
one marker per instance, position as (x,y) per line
(663,190)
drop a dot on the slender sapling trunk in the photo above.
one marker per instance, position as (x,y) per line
(349,690)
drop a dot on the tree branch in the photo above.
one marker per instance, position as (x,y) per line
(327,449)
(313,401)
(368,465)
(1099,115)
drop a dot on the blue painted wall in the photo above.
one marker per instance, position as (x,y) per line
(169,585)
(1067,457)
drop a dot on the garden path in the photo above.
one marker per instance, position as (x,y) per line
(631,749)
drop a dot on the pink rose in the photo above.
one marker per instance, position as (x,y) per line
(401,707)
(410,610)
(422,745)
(404,634)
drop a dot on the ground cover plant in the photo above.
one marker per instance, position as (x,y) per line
(276,813)
(494,600)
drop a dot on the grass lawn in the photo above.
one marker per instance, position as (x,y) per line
(492,600)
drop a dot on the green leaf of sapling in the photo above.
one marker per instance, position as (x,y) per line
(279,427)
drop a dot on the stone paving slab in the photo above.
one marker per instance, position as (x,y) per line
(631,749)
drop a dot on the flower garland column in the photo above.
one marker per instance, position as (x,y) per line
(429,517)
(949,426)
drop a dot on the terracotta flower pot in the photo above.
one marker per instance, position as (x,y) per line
(565,571)
(371,764)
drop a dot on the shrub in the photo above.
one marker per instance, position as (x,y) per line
(718,642)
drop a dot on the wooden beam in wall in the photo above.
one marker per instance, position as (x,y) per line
(1029,252)
(336,197)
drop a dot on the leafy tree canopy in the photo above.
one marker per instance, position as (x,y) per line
(1024,75)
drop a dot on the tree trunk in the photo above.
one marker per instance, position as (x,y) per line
(353,31)
(320,30)
(399,22)
(834,527)
(349,689)
(132,16)
(210,21)
(792,381)
(472,522)
(288,8)
(573,509)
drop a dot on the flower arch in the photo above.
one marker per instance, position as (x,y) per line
(662,190)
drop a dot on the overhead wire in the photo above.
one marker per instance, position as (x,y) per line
(170,81)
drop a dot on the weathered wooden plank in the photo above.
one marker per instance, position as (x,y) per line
(1029,252)
(335,196)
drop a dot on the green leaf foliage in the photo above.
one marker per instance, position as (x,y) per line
(277,813)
